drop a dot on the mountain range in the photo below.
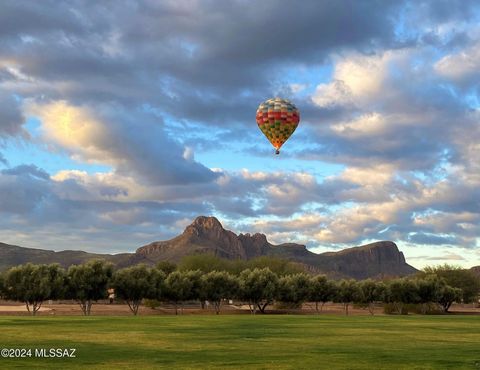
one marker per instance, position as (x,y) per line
(207,235)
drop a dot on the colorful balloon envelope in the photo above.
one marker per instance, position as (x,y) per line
(277,118)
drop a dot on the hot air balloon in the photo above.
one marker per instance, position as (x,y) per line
(277,118)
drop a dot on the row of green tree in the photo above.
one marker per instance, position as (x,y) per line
(258,287)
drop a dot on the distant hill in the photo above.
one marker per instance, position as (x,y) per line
(12,255)
(207,235)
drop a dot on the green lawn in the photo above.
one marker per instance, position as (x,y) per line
(237,341)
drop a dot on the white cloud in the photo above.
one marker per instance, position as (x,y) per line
(462,67)
(372,124)
(356,80)
(75,129)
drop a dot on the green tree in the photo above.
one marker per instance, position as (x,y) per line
(204,262)
(449,295)
(218,285)
(237,265)
(208,262)
(457,277)
(196,292)
(322,290)
(166,267)
(258,287)
(34,284)
(133,284)
(348,291)
(89,282)
(429,290)
(401,292)
(372,292)
(178,288)
(278,266)
(2,285)
(294,289)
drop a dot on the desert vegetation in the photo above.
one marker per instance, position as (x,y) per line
(258,283)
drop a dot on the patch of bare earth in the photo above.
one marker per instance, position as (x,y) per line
(105,308)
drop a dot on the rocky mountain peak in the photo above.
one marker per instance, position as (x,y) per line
(209,233)
(208,222)
(257,237)
(204,225)
(255,245)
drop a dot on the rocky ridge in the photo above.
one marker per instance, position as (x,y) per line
(207,235)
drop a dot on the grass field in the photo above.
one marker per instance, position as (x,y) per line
(233,341)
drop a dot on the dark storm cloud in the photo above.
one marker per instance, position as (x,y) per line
(6,75)
(27,170)
(190,59)
(431,239)
(142,147)
(22,190)
(409,149)
(19,18)
(225,43)
(11,117)
(235,207)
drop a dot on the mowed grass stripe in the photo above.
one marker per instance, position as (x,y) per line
(269,342)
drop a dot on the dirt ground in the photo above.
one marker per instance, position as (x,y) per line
(105,308)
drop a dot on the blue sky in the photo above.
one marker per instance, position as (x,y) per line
(120,122)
